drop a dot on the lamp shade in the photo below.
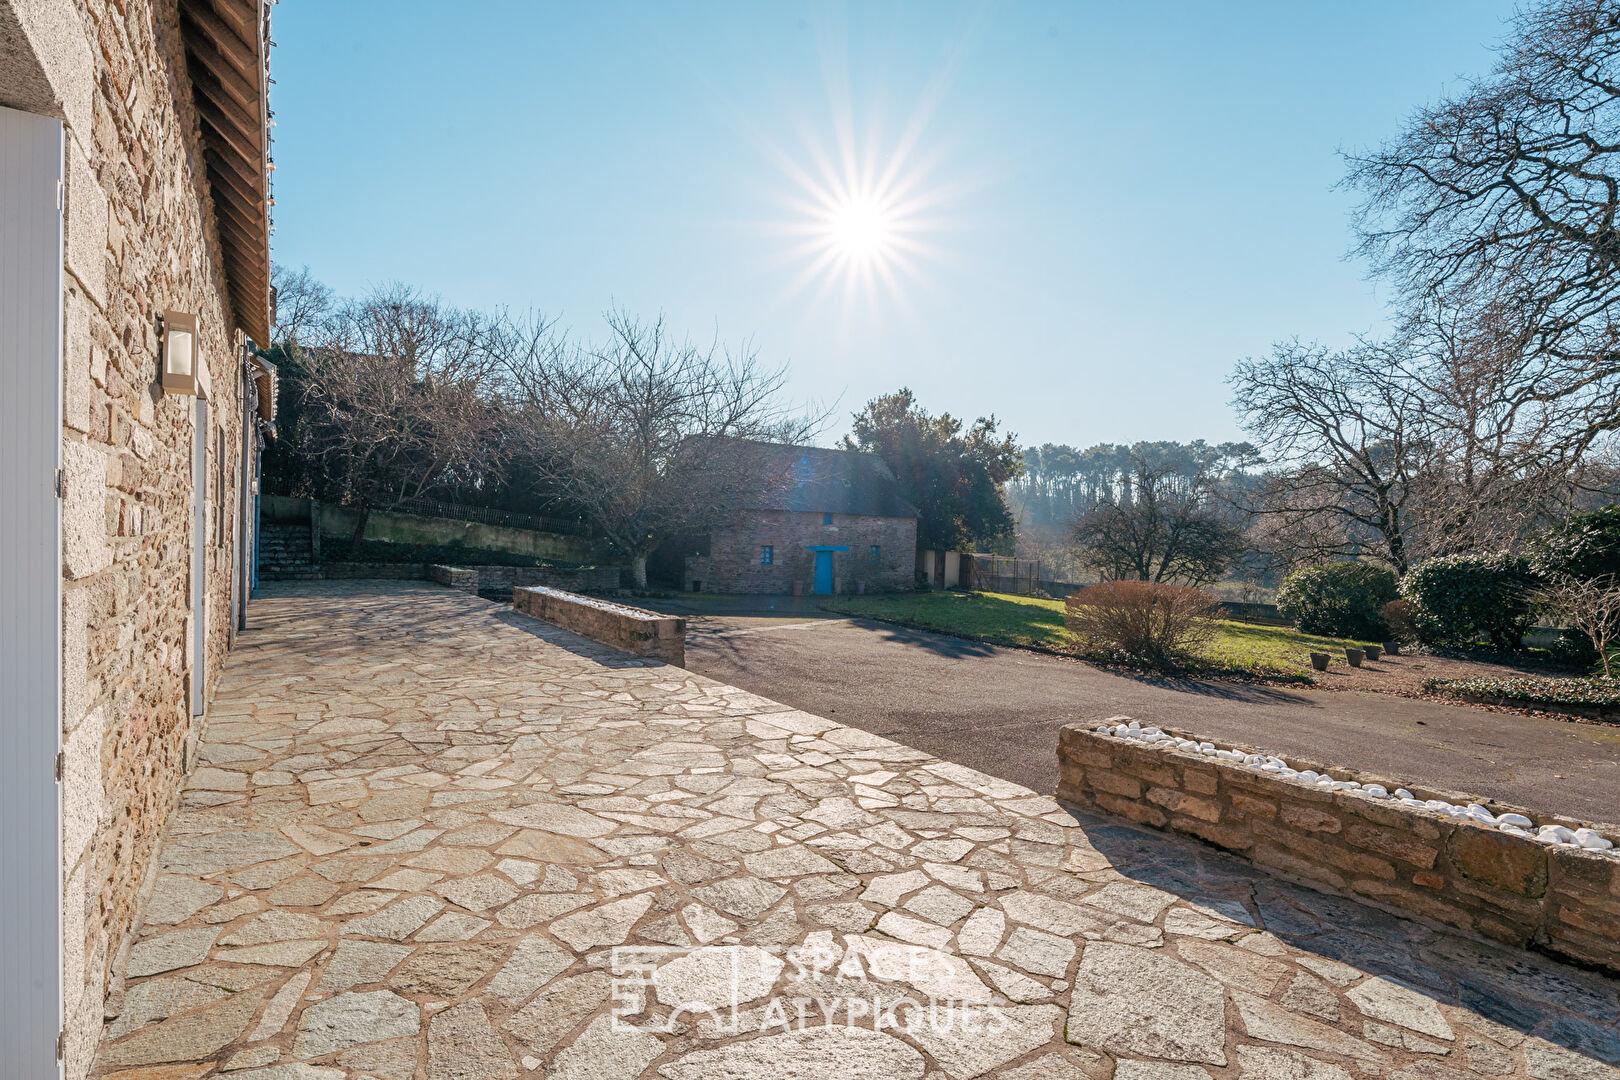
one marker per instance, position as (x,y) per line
(179,353)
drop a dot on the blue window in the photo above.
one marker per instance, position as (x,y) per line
(826,519)
(877,554)
(767,554)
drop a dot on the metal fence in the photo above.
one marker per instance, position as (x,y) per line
(1000,573)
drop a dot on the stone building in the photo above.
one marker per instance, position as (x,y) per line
(819,521)
(134,269)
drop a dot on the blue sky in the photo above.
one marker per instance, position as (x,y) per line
(1084,212)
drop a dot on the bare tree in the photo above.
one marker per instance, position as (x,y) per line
(1506,195)
(393,398)
(649,435)
(303,306)
(1592,606)
(1164,522)
(1347,439)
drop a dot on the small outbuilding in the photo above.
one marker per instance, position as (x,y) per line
(819,522)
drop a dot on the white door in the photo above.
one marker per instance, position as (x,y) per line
(30,590)
(199,558)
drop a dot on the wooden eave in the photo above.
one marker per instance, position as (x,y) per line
(227,44)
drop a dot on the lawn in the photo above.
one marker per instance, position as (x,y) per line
(1026,621)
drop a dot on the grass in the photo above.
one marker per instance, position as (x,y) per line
(1238,648)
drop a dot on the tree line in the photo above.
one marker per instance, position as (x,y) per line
(1486,417)
(641,434)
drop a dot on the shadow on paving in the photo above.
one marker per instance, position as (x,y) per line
(1520,991)
(424,821)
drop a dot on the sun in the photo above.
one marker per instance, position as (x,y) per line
(861,229)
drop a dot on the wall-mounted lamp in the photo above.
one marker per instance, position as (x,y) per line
(180,359)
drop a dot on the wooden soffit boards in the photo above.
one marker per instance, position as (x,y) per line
(227,47)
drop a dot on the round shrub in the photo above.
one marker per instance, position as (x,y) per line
(1143,621)
(1581,546)
(1459,600)
(1342,599)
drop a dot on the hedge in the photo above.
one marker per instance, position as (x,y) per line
(1460,599)
(1342,599)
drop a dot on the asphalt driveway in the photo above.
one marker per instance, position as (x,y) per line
(998,710)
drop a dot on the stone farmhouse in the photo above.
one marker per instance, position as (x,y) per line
(818,521)
(134,271)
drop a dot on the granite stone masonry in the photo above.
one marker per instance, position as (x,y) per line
(146,230)
(628,629)
(1454,870)
(429,828)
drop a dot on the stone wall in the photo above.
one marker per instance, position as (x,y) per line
(631,630)
(485,577)
(454,576)
(734,564)
(140,238)
(1415,861)
(391,527)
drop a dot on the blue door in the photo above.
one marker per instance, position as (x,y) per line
(823,584)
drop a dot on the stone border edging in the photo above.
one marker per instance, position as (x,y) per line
(1412,860)
(631,630)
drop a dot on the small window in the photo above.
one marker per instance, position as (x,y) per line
(877,554)
(826,519)
(767,554)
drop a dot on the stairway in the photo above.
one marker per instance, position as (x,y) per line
(285,553)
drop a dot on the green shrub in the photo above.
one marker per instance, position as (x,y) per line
(1531,691)
(1581,546)
(1342,599)
(1459,600)
(1398,617)
(1573,649)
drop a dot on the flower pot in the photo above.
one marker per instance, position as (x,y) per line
(1373,651)
(1319,660)
(1392,648)
(1355,656)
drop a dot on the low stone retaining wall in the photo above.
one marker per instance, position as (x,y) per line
(455,577)
(1413,860)
(485,576)
(500,579)
(631,630)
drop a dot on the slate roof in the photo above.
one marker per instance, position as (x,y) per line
(811,479)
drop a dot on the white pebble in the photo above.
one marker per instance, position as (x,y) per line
(1515,819)
(1310,775)
(1514,829)
(1377,791)
(1402,793)
(1558,833)
(1134,724)
(1592,841)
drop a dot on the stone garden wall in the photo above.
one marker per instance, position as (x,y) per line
(637,632)
(1448,869)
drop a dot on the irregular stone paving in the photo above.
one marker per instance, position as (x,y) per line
(423,823)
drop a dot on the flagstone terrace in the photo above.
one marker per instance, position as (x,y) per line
(423,824)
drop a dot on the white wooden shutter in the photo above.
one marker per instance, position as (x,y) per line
(30,591)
